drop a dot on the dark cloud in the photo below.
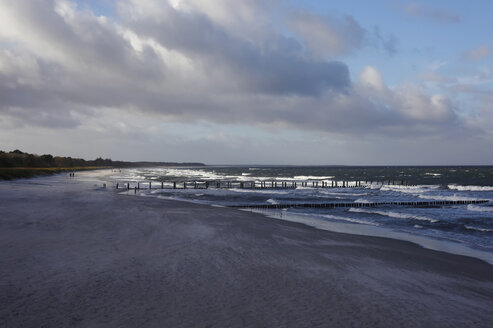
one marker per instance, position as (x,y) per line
(186,65)
(325,36)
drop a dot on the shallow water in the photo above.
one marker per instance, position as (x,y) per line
(469,225)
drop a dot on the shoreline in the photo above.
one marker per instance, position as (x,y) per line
(79,254)
(440,245)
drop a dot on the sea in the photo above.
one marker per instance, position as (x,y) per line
(462,229)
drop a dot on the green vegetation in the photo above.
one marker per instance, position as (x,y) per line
(17,164)
(18,158)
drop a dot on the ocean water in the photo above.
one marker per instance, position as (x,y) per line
(467,225)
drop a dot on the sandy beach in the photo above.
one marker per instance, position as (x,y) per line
(74,254)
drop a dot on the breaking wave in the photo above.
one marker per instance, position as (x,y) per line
(395,215)
(470,188)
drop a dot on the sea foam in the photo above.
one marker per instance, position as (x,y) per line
(470,188)
(477,208)
(395,215)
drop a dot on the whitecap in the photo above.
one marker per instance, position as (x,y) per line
(410,189)
(342,218)
(477,228)
(470,188)
(395,215)
(451,198)
(259,191)
(311,177)
(477,208)
(342,193)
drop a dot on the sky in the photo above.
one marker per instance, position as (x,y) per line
(276,82)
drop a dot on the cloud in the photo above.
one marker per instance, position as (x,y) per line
(184,61)
(389,44)
(326,36)
(423,11)
(477,53)
(432,76)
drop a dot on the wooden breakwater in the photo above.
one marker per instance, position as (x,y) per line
(267,184)
(369,204)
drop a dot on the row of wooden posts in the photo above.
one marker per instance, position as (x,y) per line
(253,184)
(334,205)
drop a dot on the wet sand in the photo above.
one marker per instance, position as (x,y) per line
(76,255)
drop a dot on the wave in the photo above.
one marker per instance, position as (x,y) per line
(477,208)
(470,188)
(311,177)
(419,189)
(433,174)
(362,200)
(342,193)
(395,215)
(257,191)
(477,228)
(272,201)
(453,198)
(342,218)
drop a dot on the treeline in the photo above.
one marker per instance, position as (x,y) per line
(18,158)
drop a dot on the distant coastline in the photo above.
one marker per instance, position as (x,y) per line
(17,164)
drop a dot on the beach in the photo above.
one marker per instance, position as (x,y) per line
(75,254)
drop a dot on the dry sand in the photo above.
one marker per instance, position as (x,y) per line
(75,255)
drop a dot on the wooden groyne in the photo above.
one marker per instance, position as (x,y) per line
(374,204)
(267,184)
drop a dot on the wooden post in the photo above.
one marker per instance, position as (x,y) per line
(150,187)
(184,185)
(135,190)
(128,185)
(162,185)
(138,185)
(117,186)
